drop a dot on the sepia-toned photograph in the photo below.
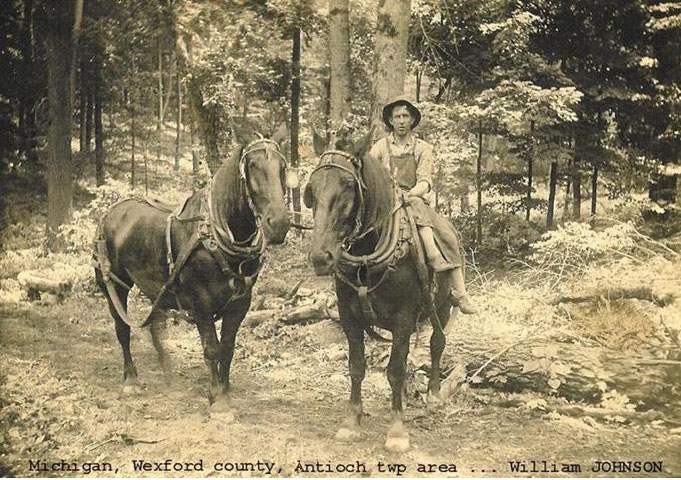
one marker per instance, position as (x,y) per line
(340,238)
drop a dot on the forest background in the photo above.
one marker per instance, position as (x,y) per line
(556,126)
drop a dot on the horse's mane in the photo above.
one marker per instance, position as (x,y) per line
(228,176)
(380,192)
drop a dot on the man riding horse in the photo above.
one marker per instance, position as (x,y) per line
(410,161)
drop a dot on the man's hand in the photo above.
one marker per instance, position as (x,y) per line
(419,190)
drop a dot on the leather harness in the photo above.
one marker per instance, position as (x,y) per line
(216,238)
(397,238)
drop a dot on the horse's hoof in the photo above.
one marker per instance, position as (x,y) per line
(397,444)
(223,417)
(345,434)
(397,440)
(166,365)
(221,411)
(131,388)
(434,402)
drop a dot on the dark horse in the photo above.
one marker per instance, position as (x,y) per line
(355,204)
(213,243)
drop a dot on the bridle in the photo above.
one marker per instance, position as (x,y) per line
(255,146)
(356,232)
(223,231)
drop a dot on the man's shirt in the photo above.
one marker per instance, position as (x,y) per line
(423,154)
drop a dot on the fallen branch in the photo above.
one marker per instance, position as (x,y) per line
(641,293)
(35,284)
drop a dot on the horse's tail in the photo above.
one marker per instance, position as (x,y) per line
(105,277)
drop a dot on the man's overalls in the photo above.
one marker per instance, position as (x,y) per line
(447,254)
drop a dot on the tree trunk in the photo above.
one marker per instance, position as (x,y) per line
(146,172)
(566,198)
(178,118)
(465,203)
(530,159)
(58,20)
(528,199)
(89,123)
(29,87)
(99,130)
(205,117)
(553,181)
(518,370)
(594,190)
(662,189)
(82,111)
(392,32)
(419,77)
(576,192)
(327,108)
(169,74)
(195,154)
(339,55)
(295,116)
(133,127)
(159,121)
(478,187)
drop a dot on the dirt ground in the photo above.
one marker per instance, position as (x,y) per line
(62,400)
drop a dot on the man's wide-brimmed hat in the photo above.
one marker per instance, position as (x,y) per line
(388,110)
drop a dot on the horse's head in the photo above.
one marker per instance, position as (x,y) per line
(336,193)
(262,167)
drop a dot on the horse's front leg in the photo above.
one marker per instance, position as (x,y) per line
(211,355)
(437,346)
(232,316)
(398,437)
(350,429)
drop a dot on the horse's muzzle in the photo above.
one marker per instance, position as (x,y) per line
(275,228)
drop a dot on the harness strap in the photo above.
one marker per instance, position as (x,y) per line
(182,258)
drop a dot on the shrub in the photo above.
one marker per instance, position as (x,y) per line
(577,244)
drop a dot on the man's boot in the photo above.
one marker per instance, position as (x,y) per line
(458,295)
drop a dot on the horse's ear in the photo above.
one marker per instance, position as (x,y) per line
(282,134)
(307,196)
(242,132)
(361,146)
(319,143)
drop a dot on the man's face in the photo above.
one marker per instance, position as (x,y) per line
(401,120)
